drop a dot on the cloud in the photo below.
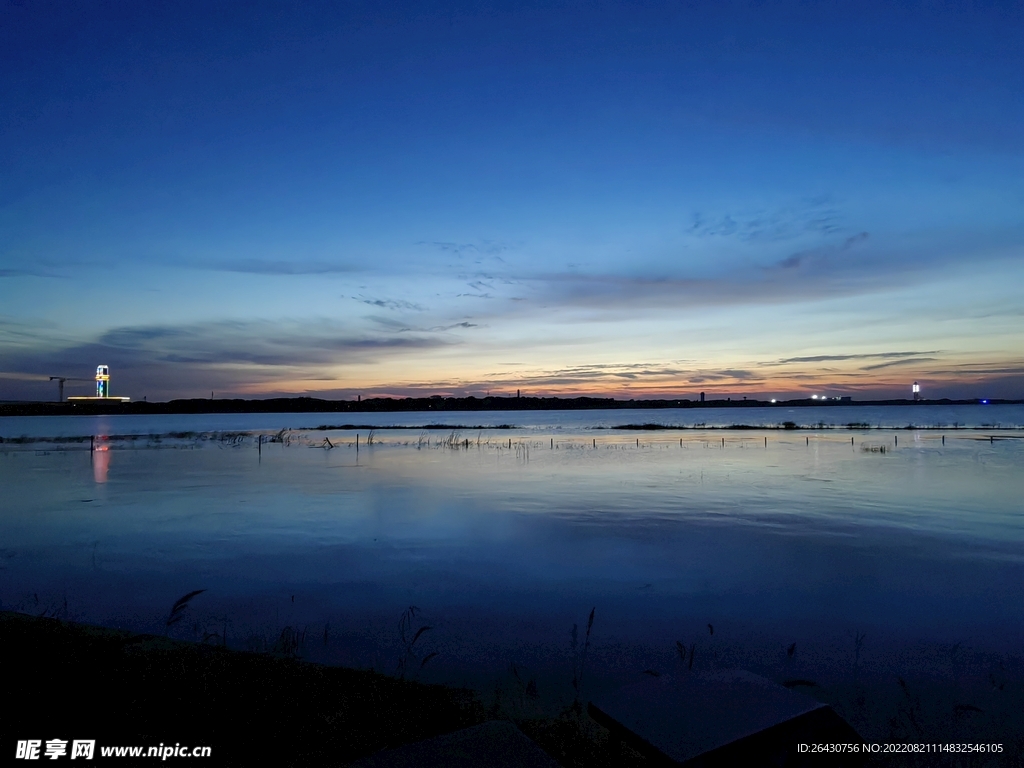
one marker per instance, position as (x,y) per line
(841,269)
(396,304)
(618,292)
(891,363)
(737,373)
(810,217)
(635,376)
(254,342)
(397,326)
(454,325)
(279,267)
(489,248)
(37,270)
(979,369)
(816,255)
(862,356)
(18,337)
(224,355)
(24,376)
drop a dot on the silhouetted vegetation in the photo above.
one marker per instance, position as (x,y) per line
(428,404)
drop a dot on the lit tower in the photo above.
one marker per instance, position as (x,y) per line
(916,389)
(102,387)
(103,381)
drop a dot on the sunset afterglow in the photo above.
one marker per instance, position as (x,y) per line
(638,202)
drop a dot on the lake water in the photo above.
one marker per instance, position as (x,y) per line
(896,417)
(879,552)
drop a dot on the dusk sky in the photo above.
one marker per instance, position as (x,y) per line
(638,200)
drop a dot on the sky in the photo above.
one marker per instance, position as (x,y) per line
(764,199)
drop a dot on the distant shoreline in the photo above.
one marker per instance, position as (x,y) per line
(431,405)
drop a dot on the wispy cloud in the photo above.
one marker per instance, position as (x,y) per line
(891,363)
(816,216)
(861,356)
(979,369)
(255,342)
(618,292)
(297,266)
(38,270)
(489,248)
(396,304)
(17,336)
(614,376)
(464,324)
(850,267)
(224,354)
(815,256)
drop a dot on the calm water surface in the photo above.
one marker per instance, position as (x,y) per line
(771,537)
(896,417)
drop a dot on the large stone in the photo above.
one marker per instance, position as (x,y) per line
(727,717)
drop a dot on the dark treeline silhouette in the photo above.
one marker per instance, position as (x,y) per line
(423,404)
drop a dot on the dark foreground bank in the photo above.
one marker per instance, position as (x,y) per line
(71,681)
(66,682)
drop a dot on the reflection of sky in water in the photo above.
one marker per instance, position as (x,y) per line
(820,539)
(923,415)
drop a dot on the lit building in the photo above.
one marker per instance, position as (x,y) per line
(917,391)
(102,387)
(102,381)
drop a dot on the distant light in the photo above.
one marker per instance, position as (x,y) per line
(814,397)
(984,402)
(773,399)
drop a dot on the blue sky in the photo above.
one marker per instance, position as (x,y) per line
(568,198)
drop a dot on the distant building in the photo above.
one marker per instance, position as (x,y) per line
(102,381)
(702,397)
(102,386)
(916,389)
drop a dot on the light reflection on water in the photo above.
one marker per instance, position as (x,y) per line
(573,421)
(806,536)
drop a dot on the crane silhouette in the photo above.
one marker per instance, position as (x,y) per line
(60,384)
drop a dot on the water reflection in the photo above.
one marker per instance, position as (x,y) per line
(506,544)
(100,460)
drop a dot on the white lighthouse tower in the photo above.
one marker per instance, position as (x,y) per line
(917,391)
